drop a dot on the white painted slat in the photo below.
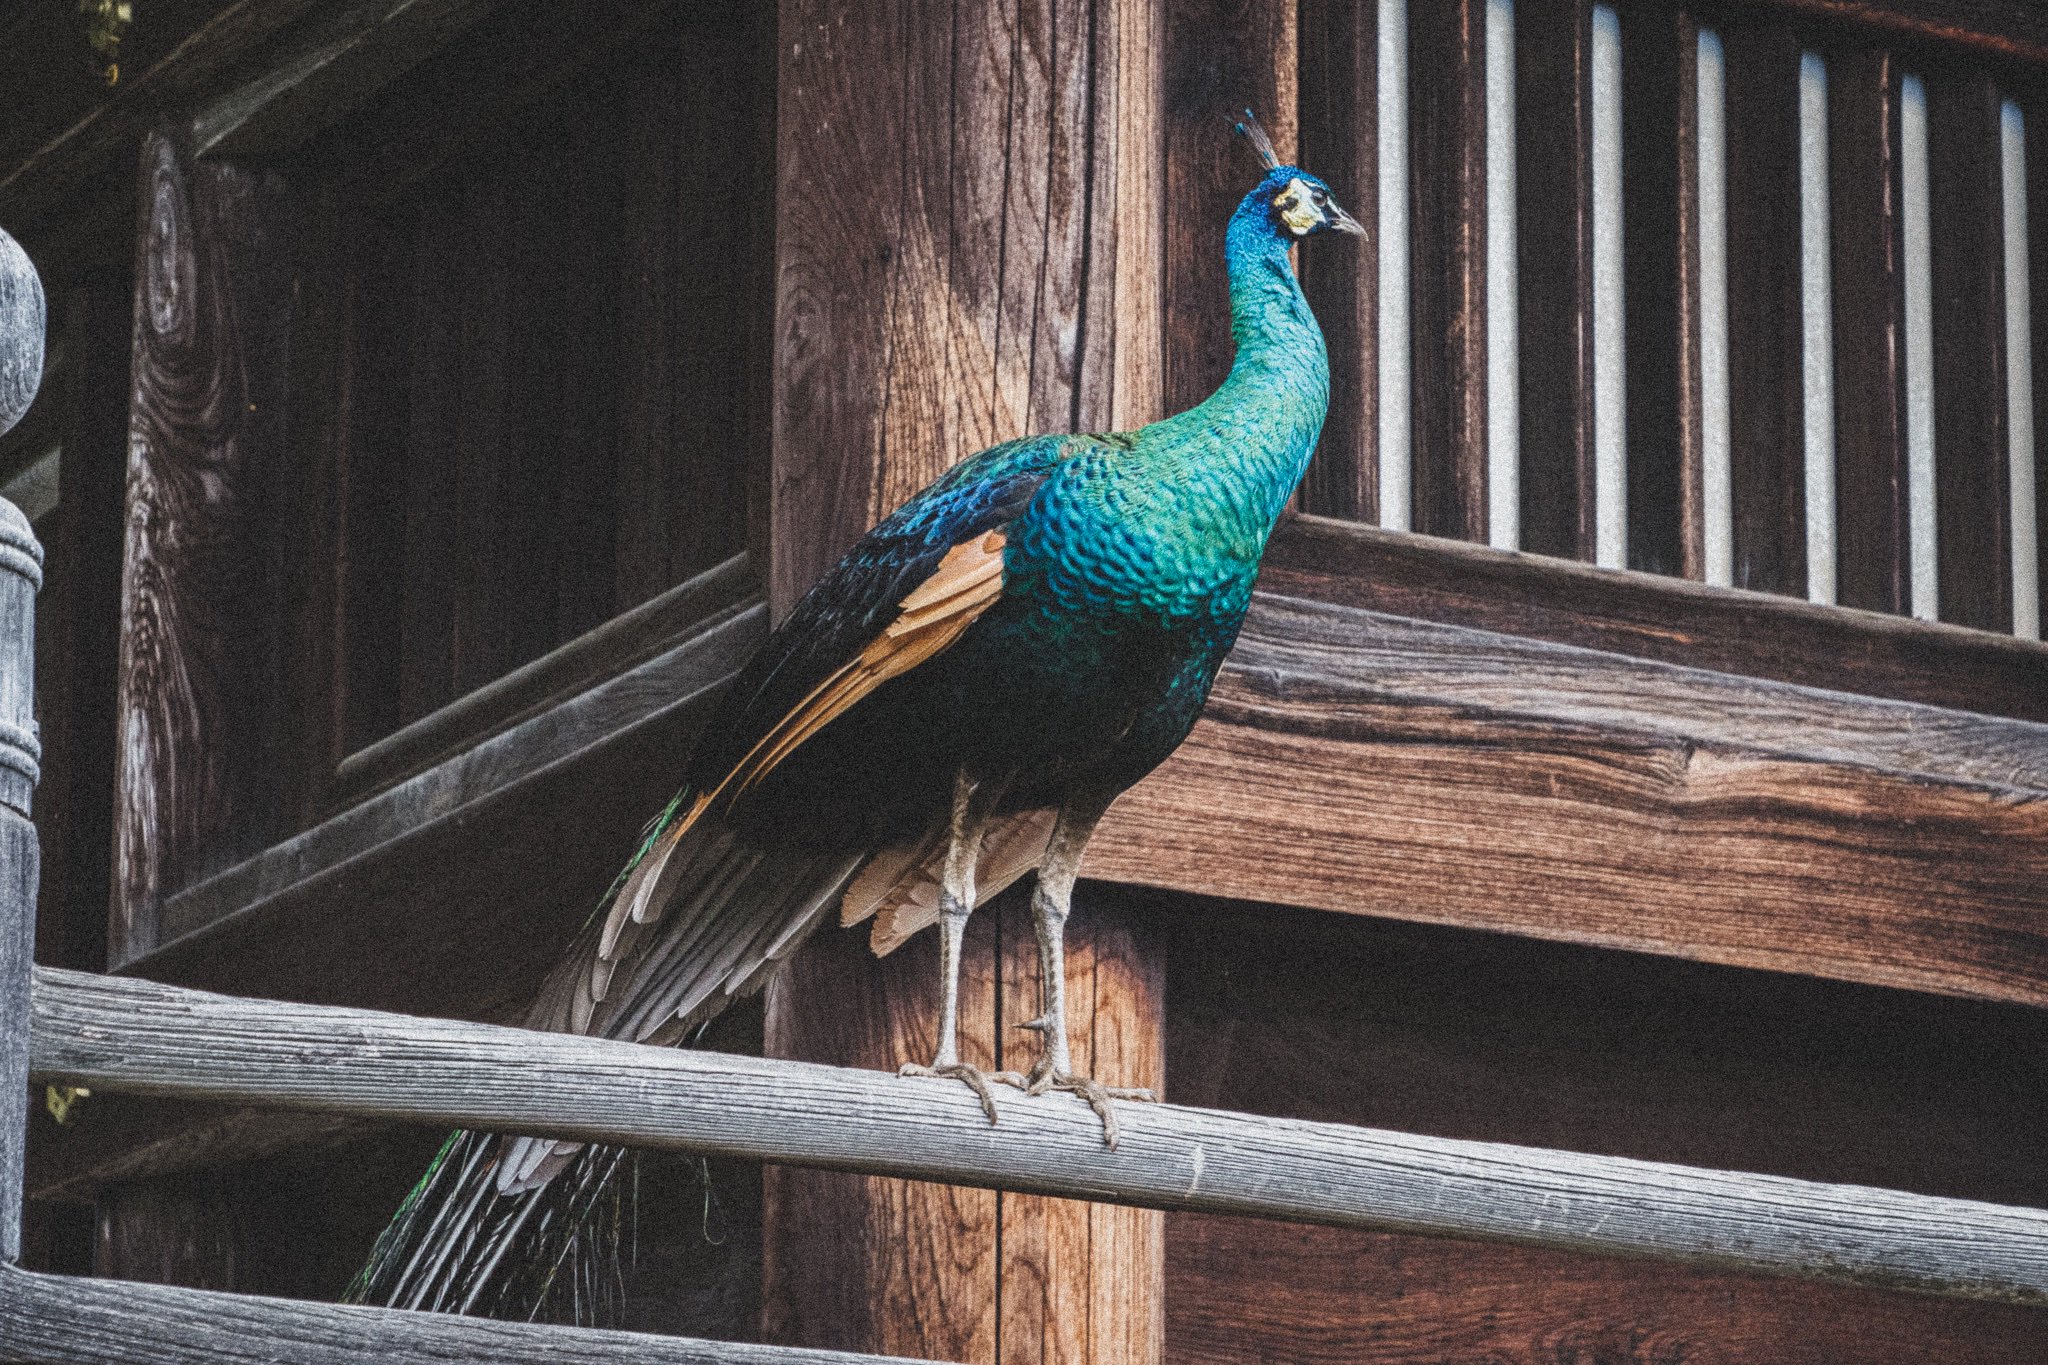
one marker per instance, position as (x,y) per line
(1395,430)
(1716,479)
(1610,357)
(2019,393)
(1817,329)
(1918,261)
(1503,287)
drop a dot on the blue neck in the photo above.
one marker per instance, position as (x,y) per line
(1269,410)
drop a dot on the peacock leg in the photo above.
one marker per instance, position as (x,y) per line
(972,803)
(1050,904)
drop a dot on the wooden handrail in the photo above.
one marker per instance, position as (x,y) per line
(60,1320)
(139,1036)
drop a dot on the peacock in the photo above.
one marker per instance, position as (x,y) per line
(955,704)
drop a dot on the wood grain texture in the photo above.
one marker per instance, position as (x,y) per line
(72,126)
(1652,617)
(201,683)
(1973,510)
(2010,29)
(57,1320)
(17,948)
(1688,813)
(607,753)
(1447,274)
(1554,237)
(1872,564)
(1660,276)
(1221,57)
(1766,392)
(325,70)
(871,1262)
(20,576)
(1241,1290)
(1339,49)
(930,277)
(969,213)
(1081,1281)
(173,1041)
(1471,1035)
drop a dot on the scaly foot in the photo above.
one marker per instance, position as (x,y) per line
(1044,1077)
(973,1077)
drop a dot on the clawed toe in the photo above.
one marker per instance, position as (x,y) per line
(973,1077)
(1098,1095)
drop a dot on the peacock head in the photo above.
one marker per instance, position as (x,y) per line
(1290,201)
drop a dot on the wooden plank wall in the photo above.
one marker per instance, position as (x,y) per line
(1451,1032)
(201,676)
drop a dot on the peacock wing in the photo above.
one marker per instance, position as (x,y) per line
(701,915)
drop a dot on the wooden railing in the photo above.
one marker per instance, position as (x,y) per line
(1741,292)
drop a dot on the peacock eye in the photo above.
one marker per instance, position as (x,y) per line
(1322,199)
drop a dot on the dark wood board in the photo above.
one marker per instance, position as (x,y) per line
(201,674)
(1601,800)
(1339,47)
(1660,280)
(1554,239)
(1447,265)
(1766,393)
(1241,1290)
(1449,1031)
(1651,617)
(1973,509)
(1872,563)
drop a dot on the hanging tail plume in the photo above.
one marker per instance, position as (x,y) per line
(503,1226)
(520,1226)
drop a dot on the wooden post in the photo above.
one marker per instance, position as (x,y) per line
(970,218)
(21,573)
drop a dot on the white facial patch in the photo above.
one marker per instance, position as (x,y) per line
(1297,208)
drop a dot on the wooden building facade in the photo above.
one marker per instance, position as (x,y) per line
(445,395)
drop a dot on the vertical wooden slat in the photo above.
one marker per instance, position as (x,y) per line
(199,670)
(374,474)
(1660,196)
(1972,496)
(1447,230)
(2035,109)
(1339,45)
(1871,559)
(1221,56)
(968,206)
(1765,385)
(432,493)
(1554,182)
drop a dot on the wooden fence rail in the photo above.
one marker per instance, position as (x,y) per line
(139,1036)
(59,1320)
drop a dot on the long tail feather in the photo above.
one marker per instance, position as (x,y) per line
(524,1226)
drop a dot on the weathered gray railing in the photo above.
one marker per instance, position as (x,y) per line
(126,1035)
(138,1036)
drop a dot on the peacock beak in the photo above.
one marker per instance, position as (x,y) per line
(1336,218)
